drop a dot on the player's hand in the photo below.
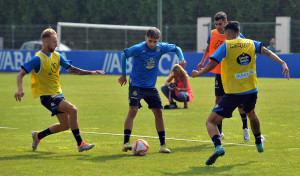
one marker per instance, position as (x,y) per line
(122,80)
(285,71)
(195,73)
(182,63)
(19,95)
(199,66)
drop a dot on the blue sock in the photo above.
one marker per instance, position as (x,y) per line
(77,136)
(44,133)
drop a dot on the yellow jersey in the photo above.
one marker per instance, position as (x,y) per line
(238,71)
(46,81)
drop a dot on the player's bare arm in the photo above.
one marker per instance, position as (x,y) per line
(211,65)
(201,64)
(274,56)
(19,94)
(78,71)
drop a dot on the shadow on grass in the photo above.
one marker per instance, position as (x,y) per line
(28,155)
(196,148)
(208,170)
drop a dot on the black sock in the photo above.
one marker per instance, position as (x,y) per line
(127,134)
(44,133)
(220,127)
(162,137)
(257,138)
(77,136)
(244,119)
(216,140)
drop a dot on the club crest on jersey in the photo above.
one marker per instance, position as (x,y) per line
(144,51)
(158,49)
(134,93)
(150,63)
(243,59)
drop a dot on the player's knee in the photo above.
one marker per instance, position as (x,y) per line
(73,110)
(64,127)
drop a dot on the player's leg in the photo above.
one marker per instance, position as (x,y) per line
(249,108)
(255,127)
(51,102)
(219,125)
(135,96)
(219,92)
(211,124)
(246,135)
(128,125)
(160,128)
(153,100)
(70,112)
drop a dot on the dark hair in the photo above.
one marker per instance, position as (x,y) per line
(221,16)
(234,26)
(153,32)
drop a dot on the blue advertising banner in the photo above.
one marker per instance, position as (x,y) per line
(110,62)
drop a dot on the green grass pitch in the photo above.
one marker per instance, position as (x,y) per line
(102,108)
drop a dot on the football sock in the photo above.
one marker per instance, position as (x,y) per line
(244,119)
(161,135)
(77,136)
(127,134)
(220,127)
(44,133)
(257,138)
(216,140)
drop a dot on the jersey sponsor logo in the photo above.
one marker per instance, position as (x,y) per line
(150,63)
(239,45)
(244,59)
(244,75)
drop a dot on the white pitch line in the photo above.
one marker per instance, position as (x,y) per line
(175,139)
(9,128)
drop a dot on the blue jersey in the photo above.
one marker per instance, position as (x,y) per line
(145,62)
(35,63)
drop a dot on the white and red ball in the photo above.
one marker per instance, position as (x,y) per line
(140,147)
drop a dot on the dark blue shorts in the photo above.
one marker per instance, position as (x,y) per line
(150,95)
(229,102)
(51,102)
(219,91)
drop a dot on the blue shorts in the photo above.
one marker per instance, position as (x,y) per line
(229,102)
(51,102)
(219,91)
(150,95)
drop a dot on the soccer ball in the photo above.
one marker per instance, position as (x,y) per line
(140,147)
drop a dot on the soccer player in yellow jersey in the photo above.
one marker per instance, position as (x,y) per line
(239,79)
(215,39)
(44,68)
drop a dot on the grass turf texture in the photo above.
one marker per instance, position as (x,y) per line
(103,107)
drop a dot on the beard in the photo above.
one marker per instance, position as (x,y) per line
(51,50)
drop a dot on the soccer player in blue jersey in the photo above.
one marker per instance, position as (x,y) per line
(44,68)
(142,80)
(239,80)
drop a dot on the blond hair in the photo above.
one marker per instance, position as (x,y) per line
(177,69)
(47,33)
